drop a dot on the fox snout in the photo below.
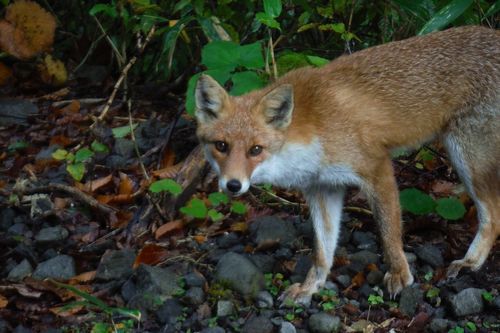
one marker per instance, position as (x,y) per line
(233,186)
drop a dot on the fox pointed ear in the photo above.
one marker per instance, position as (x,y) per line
(278,106)
(209,97)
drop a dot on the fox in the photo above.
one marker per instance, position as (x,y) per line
(321,130)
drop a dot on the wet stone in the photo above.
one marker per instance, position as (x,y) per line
(375,277)
(116,265)
(51,235)
(287,327)
(323,322)
(468,301)
(240,274)
(344,280)
(194,296)
(19,272)
(61,267)
(169,311)
(224,308)
(264,300)
(411,297)
(364,257)
(438,325)
(194,279)
(272,228)
(430,254)
(258,324)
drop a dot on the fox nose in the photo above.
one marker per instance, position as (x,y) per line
(233,185)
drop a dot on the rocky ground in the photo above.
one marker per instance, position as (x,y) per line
(187,275)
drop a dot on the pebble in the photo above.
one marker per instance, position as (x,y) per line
(272,228)
(194,296)
(240,274)
(169,311)
(264,300)
(411,297)
(344,280)
(158,281)
(287,327)
(194,279)
(374,277)
(438,325)
(364,257)
(19,272)
(430,254)
(323,322)
(258,324)
(51,235)
(115,265)
(61,267)
(224,308)
(468,301)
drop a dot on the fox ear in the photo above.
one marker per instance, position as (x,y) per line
(278,106)
(209,97)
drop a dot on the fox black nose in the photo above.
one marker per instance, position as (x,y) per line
(233,185)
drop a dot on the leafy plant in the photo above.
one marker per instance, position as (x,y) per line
(328,299)
(166,185)
(374,300)
(456,329)
(420,203)
(75,163)
(487,296)
(275,283)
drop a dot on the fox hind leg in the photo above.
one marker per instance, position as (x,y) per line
(473,145)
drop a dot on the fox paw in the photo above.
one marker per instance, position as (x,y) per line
(457,265)
(396,281)
(296,294)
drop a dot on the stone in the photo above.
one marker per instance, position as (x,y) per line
(438,325)
(264,300)
(430,254)
(61,267)
(271,228)
(124,148)
(258,324)
(344,280)
(360,238)
(194,296)
(169,311)
(496,302)
(216,329)
(364,257)
(195,279)
(374,277)
(240,274)
(287,327)
(7,216)
(51,235)
(410,257)
(468,301)
(115,265)
(228,239)
(19,272)
(323,322)
(331,286)
(158,281)
(16,111)
(411,297)
(225,308)
(265,263)
(304,263)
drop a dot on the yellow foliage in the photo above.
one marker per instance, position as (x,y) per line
(27,30)
(53,71)
(5,74)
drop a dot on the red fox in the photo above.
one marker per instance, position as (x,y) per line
(320,130)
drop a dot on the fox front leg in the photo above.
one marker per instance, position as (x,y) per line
(326,210)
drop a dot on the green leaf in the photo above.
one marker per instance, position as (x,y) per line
(338,27)
(450,208)
(215,215)
(238,207)
(446,15)
(268,20)
(99,147)
(18,145)
(272,8)
(60,154)
(190,102)
(83,155)
(487,296)
(317,61)
(195,208)
(325,11)
(416,201)
(250,56)
(471,326)
(216,198)
(109,10)
(181,5)
(244,82)
(493,9)
(433,292)
(76,170)
(123,131)
(220,54)
(101,328)
(166,185)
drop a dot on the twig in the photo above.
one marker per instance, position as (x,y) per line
(359,210)
(271,50)
(122,77)
(169,134)
(110,41)
(89,52)
(76,193)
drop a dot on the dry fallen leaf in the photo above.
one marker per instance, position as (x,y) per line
(3,302)
(83,277)
(151,254)
(168,228)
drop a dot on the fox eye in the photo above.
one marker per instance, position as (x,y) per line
(221,146)
(255,150)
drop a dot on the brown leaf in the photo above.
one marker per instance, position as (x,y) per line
(83,277)
(239,227)
(93,185)
(64,311)
(168,158)
(372,267)
(126,184)
(3,302)
(168,228)
(200,239)
(122,219)
(168,172)
(151,254)
(5,74)
(358,279)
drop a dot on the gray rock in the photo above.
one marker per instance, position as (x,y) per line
(430,254)
(4,326)
(19,229)
(61,267)
(496,302)
(366,290)
(194,296)
(7,216)
(344,280)
(240,274)
(22,270)
(169,311)
(22,329)
(228,240)
(345,236)
(304,263)
(124,148)
(216,329)
(224,308)
(374,277)
(468,301)
(438,325)
(264,262)
(364,257)
(411,297)
(16,111)
(360,238)
(115,265)
(323,322)
(331,286)
(410,257)
(51,235)
(264,300)
(258,324)
(287,327)
(195,279)
(157,281)
(40,205)
(272,228)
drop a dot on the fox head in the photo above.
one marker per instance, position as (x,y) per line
(240,133)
